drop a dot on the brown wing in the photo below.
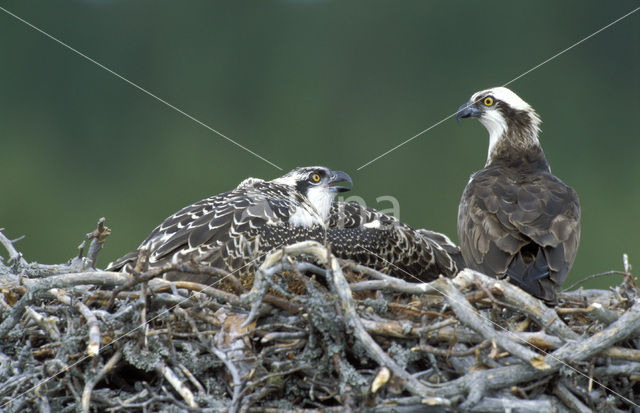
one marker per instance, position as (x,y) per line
(526,226)
(390,249)
(422,253)
(209,230)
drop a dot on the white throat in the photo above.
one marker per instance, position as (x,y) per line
(496,125)
(321,198)
(317,213)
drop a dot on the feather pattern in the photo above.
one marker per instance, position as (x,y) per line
(420,254)
(526,228)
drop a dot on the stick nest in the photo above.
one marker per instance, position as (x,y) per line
(313,334)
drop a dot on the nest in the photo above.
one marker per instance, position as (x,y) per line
(312,334)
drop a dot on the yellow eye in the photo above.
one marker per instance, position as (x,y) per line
(488,101)
(315,177)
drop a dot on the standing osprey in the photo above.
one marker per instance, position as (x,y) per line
(515,218)
(233,229)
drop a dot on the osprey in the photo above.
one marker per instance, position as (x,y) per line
(515,218)
(236,229)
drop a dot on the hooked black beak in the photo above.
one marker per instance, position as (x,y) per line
(468,110)
(339,176)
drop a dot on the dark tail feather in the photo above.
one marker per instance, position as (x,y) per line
(531,277)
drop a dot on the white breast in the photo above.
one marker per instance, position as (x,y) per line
(303,218)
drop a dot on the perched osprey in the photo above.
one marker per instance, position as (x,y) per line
(230,230)
(515,218)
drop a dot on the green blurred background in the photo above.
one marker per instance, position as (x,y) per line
(302,83)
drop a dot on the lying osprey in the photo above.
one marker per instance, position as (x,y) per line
(232,229)
(515,218)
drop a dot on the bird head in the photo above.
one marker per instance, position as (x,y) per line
(505,116)
(318,184)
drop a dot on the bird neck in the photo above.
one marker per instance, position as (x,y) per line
(516,143)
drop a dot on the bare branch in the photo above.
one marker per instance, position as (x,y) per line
(469,316)
(91,383)
(97,237)
(177,384)
(13,253)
